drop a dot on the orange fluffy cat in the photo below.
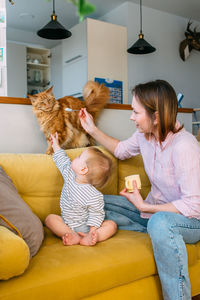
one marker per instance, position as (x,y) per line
(53,117)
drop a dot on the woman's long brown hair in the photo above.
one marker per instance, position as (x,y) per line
(159,96)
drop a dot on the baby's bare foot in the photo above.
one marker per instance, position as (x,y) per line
(71,238)
(89,239)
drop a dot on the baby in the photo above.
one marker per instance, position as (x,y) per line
(82,205)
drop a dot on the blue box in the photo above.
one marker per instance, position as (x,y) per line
(115,87)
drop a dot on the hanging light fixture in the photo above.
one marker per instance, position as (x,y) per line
(141,46)
(54,30)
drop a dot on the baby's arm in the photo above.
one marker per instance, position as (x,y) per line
(54,142)
(62,162)
(60,158)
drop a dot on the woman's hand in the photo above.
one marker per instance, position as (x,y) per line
(86,120)
(135,198)
(54,142)
(103,139)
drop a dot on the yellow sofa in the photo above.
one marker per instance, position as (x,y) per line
(122,267)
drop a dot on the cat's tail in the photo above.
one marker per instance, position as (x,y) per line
(96,96)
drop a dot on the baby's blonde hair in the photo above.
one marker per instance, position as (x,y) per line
(100,167)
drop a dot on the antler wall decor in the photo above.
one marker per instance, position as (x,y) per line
(192,41)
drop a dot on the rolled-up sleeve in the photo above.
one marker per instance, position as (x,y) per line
(186,159)
(128,148)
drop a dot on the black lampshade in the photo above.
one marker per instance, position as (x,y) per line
(141,46)
(54,30)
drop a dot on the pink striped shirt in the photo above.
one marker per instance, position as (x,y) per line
(173,169)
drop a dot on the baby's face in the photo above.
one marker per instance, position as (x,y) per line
(79,162)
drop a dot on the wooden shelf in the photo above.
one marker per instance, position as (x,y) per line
(13,100)
(37,66)
(40,84)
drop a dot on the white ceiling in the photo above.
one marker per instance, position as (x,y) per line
(31,15)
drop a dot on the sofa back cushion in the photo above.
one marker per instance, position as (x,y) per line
(39,182)
(132,166)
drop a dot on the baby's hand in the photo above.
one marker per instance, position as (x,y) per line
(54,142)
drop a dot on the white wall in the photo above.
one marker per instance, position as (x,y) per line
(20,132)
(164,31)
(29,38)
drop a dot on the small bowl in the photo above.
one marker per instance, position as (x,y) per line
(36,61)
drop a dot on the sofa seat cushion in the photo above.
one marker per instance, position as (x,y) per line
(81,271)
(14,254)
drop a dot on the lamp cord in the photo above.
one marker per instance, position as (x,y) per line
(140,16)
(53,6)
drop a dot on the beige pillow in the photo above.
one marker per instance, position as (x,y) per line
(17,212)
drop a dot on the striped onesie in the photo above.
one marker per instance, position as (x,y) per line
(81,204)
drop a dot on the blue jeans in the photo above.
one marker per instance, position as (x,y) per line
(168,232)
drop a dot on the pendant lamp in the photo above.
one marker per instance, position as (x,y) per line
(54,30)
(141,46)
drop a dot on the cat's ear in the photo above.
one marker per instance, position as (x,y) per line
(32,98)
(50,90)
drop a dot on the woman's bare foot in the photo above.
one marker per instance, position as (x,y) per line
(71,238)
(89,239)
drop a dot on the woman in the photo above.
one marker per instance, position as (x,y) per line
(171,212)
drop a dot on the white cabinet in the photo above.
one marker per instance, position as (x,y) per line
(95,49)
(56,71)
(28,69)
(74,77)
(38,69)
(16,70)
(75,47)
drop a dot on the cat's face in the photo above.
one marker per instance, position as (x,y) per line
(44,101)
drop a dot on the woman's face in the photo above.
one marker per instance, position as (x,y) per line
(139,115)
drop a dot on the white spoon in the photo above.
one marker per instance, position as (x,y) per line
(70,109)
